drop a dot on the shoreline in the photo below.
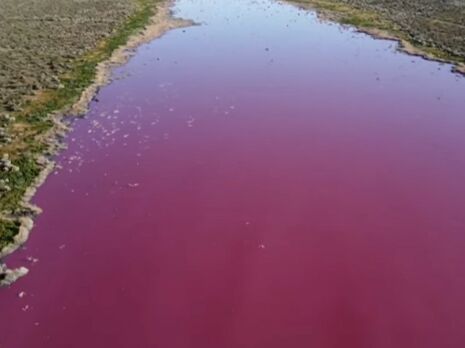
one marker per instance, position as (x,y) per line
(404,45)
(159,24)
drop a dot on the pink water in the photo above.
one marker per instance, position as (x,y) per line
(261,180)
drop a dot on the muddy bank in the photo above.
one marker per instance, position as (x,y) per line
(431,29)
(22,217)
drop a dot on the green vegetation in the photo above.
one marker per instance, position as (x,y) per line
(33,120)
(8,230)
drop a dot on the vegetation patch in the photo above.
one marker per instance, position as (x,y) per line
(8,229)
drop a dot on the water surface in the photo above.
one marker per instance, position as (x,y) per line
(262,180)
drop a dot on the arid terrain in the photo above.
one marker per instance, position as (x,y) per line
(40,39)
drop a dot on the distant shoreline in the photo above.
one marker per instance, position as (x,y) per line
(372,23)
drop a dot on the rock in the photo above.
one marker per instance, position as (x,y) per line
(9,276)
